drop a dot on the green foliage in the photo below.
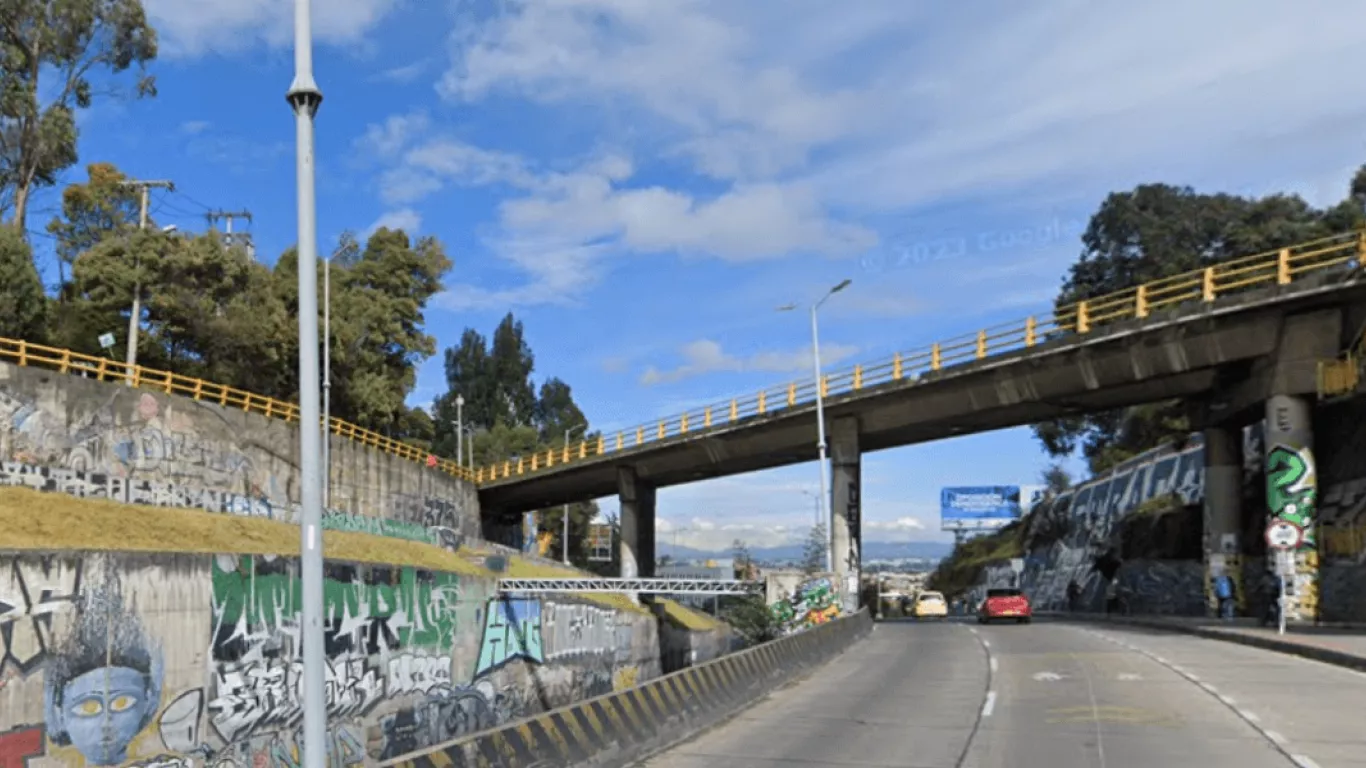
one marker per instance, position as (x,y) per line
(962,569)
(751,618)
(813,551)
(49,52)
(1155,231)
(23,305)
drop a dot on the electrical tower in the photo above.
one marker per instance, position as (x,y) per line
(230,237)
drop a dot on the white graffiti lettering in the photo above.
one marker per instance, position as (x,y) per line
(412,673)
(265,694)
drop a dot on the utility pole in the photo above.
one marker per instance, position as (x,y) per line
(229,236)
(135,318)
(304,99)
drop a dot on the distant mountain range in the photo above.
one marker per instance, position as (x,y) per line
(872,550)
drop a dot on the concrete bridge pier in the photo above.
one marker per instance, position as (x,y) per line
(637,499)
(1292,493)
(1223,510)
(846,524)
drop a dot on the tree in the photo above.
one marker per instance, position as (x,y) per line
(103,207)
(23,305)
(1056,480)
(510,365)
(555,413)
(813,551)
(1155,231)
(66,41)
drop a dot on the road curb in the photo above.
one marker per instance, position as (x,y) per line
(623,726)
(1317,653)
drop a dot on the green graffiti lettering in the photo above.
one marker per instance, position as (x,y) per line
(254,597)
(1292,488)
(377,526)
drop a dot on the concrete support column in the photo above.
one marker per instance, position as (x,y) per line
(1223,511)
(1292,493)
(846,524)
(637,544)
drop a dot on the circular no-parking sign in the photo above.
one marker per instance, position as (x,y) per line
(1283,535)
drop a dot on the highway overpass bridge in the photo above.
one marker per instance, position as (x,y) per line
(1239,339)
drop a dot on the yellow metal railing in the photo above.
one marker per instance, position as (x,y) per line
(105,369)
(1278,267)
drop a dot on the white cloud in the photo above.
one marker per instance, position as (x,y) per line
(557,227)
(194,127)
(191,28)
(406,219)
(886,107)
(706,356)
(404,74)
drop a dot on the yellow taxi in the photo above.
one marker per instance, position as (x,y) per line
(930,605)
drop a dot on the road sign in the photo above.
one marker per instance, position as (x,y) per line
(1283,535)
(106,340)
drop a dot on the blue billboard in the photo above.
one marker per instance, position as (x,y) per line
(980,508)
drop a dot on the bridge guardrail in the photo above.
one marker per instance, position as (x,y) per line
(625,726)
(1279,267)
(66,361)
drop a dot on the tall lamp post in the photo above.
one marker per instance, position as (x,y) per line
(304,98)
(564,542)
(817,499)
(820,417)
(459,428)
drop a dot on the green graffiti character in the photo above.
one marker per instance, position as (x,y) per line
(1292,487)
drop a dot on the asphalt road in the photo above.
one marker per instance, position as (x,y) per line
(956,695)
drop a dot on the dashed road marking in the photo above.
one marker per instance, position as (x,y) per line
(994,665)
(1277,739)
(989,705)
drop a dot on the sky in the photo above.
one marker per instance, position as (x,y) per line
(642,182)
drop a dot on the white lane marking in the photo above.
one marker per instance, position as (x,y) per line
(989,705)
(1130,676)
(994,665)
(1047,676)
(1279,741)
(986,643)
(1227,699)
(973,630)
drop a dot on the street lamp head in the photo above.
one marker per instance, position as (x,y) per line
(843,284)
(460,401)
(786,308)
(169,228)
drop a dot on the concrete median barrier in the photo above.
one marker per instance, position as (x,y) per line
(629,724)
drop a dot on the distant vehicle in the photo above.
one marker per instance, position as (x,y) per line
(1009,604)
(930,605)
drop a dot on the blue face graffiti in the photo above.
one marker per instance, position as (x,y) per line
(103,685)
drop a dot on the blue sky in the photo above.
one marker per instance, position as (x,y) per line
(643,181)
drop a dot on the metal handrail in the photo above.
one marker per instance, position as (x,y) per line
(66,361)
(1278,267)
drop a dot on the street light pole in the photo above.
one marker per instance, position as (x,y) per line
(459,428)
(327,382)
(305,98)
(820,421)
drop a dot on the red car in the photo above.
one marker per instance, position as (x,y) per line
(1009,604)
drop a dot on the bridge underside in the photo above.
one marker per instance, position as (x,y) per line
(1181,354)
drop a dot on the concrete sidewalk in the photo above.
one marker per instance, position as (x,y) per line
(1342,645)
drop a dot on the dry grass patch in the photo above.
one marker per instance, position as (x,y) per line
(54,521)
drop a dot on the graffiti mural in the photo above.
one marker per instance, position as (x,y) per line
(136,447)
(811,603)
(106,664)
(1292,489)
(512,630)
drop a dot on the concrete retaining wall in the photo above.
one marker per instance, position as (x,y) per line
(69,434)
(178,660)
(621,727)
